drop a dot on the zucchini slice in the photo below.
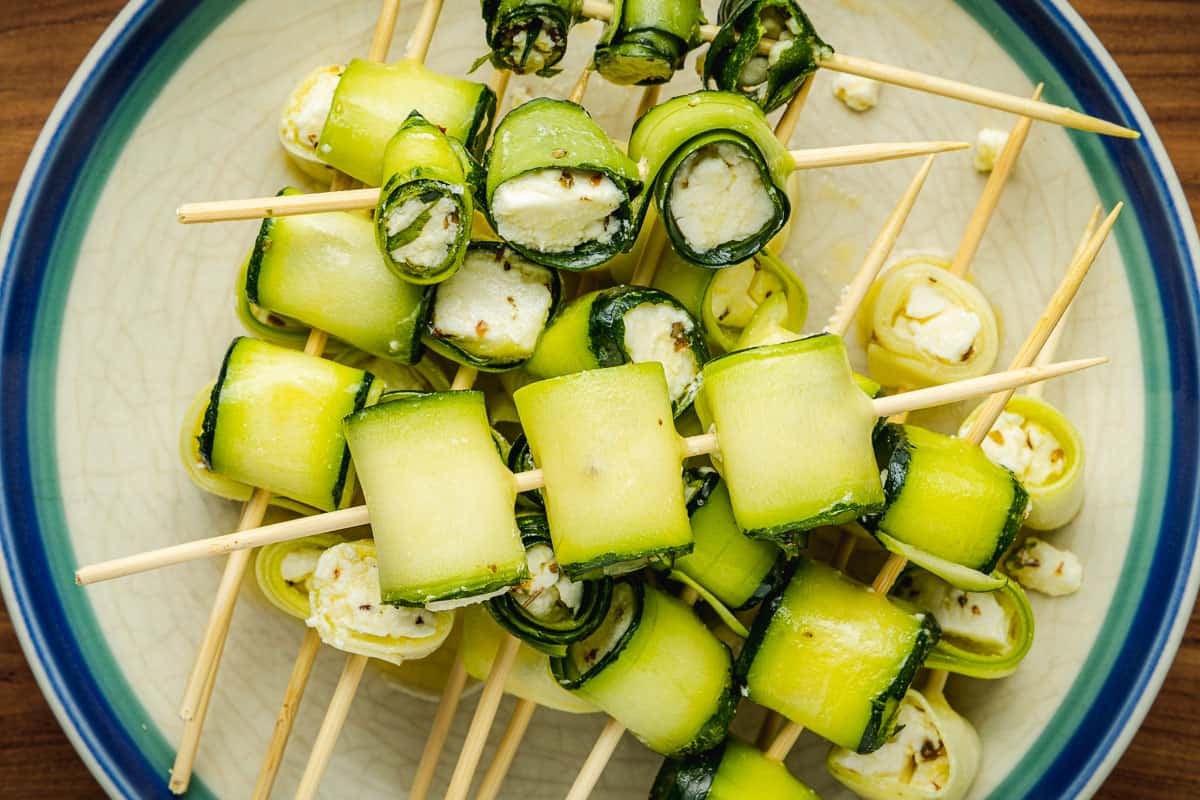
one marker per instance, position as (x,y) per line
(646,41)
(529,36)
(612,463)
(945,498)
(734,64)
(795,434)
(372,100)
(558,190)
(757,302)
(656,669)
(325,271)
(423,221)
(719,175)
(274,421)
(738,570)
(830,654)
(490,314)
(734,770)
(549,610)
(284,571)
(625,324)
(437,541)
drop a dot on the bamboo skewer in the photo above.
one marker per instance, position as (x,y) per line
(292,697)
(481,721)
(506,750)
(331,726)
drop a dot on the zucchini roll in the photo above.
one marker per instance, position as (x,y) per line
(423,221)
(926,326)
(1037,443)
(734,770)
(946,501)
(284,571)
(1044,568)
(433,547)
(549,610)
(611,461)
(757,302)
(620,325)
(656,669)
(274,421)
(373,100)
(347,614)
(304,116)
(646,41)
(720,176)
(490,314)
(325,271)
(830,654)
(738,570)
(559,191)
(529,36)
(795,433)
(933,755)
(734,64)
(984,634)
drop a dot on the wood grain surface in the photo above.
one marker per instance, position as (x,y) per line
(1156,43)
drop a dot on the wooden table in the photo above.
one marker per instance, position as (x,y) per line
(1157,44)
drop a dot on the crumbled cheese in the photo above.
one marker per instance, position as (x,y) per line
(855,92)
(659,332)
(309,105)
(298,565)
(556,210)
(494,306)
(432,245)
(915,755)
(975,616)
(535,58)
(937,326)
(1029,450)
(718,196)
(547,585)
(1044,568)
(988,148)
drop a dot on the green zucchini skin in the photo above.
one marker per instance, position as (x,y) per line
(729,771)
(565,672)
(646,41)
(558,134)
(513,617)
(590,333)
(520,459)
(508,19)
(688,778)
(736,44)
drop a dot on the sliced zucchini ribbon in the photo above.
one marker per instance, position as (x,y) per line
(646,41)
(730,771)
(529,36)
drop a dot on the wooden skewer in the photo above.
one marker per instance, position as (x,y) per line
(481,722)
(310,645)
(791,114)
(331,726)
(506,751)
(422,36)
(581,85)
(442,720)
(649,100)
(597,760)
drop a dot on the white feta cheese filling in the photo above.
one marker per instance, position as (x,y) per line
(718,196)
(543,46)
(975,616)
(915,755)
(1044,568)
(298,565)
(1029,450)
(345,602)
(937,326)
(432,245)
(547,586)
(308,107)
(556,210)
(496,305)
(856,93)
(988,147)
(659,332)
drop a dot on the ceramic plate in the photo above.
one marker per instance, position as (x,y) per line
(114,316)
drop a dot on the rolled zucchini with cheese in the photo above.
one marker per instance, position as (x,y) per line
(558,190)
(646,41)
(984,634)
(760,301)
(720,176)
(656,669)
(345,609)
(830,654)
(949,509)
(434,549)
(529,36)
(273,421)
(284,571)
(611,462)
(490,314)
(1037,443)
(934,754)
(304,116)
(549,610)
(625,324)
(733,770)
(372,101)
(795,433)
(423,221)
(926,326)
(325,271)
(734,64)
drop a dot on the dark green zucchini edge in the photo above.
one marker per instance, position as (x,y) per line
(652,52)
(564,671)
(520,459)
(762,622)
(481,125)
(262,243)
(589,570)
(688,778)
(551,639)
(716,728)
(884,707)
(698,485)
(503,26)
(399,189)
